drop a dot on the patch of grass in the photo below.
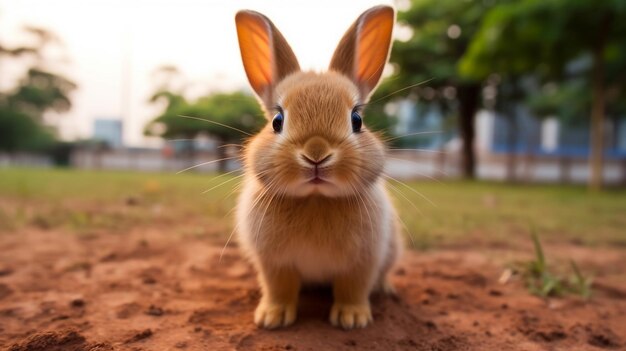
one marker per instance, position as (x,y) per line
(81,201)
(543,282)
(494,212)
(580,284)
(464,212)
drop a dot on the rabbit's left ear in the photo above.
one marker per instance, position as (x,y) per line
(363,51)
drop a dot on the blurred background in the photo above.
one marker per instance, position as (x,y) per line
(518,91)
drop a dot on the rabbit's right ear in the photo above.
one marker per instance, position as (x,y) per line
(267,58)
(363,51)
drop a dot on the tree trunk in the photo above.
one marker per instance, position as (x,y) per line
(596,158)
(510,94)
(468,105)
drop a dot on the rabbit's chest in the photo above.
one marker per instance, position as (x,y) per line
(317,264)
(322,248)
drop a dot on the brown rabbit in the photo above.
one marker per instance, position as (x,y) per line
(314,208)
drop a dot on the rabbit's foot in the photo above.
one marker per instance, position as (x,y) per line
(274,315)
(350,316)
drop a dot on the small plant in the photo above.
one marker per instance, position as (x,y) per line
(580,284)
(541,281)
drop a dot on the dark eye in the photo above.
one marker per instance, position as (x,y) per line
(356,121)
(277,122)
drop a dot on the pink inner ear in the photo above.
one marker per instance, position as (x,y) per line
(267,58)
(373,42)
(255,43)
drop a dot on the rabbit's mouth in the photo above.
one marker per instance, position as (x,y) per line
(317,180)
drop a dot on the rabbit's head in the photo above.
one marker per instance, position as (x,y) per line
(316,141)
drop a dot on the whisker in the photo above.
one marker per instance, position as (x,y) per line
(399,192)
(406,228)
(237,226)
(206,163)
(413,134)
(237,187)
(421,174)
(356,203)
(256,200)
(421,150)
(227,242)
(400,90)
(408,232)
(367,211)
(413,190)
(218,123)
(225,174)
(229,145)
(267,204)
(224,182)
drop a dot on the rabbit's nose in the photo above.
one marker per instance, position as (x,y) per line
(316,151)
(316,162)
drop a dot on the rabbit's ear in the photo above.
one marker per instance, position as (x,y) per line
(363,51)
(267,58)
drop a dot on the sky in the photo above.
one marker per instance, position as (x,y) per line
(112,48)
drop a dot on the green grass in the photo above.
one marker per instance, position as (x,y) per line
(541,280)
(502,212)
(86,201)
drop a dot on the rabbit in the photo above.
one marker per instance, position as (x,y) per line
(313,206)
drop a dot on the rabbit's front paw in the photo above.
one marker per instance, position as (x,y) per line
(273,315)
(350,316)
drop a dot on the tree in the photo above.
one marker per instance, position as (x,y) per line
(442,31)
(21,132)
(39,91)
(544,37)
(227,117)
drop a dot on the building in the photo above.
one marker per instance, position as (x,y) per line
(109,131)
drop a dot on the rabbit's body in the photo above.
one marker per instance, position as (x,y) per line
(346,234)
(314,207)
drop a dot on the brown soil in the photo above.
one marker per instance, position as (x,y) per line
(150,291)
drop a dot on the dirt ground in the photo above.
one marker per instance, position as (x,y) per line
(147,290)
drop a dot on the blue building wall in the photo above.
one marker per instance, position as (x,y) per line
(573,141)
(108,131)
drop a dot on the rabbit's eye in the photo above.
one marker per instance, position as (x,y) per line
(357,122)
(277,122)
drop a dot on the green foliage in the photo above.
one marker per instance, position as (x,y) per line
(22,107)
(569,101)
(40,91)
(580,283)
(237,110)
(539,279)
(543,282)
(517,38)
(19,131)
(442,31)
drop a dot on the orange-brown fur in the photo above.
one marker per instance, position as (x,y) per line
(342,231)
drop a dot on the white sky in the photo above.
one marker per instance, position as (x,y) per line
(103,40)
